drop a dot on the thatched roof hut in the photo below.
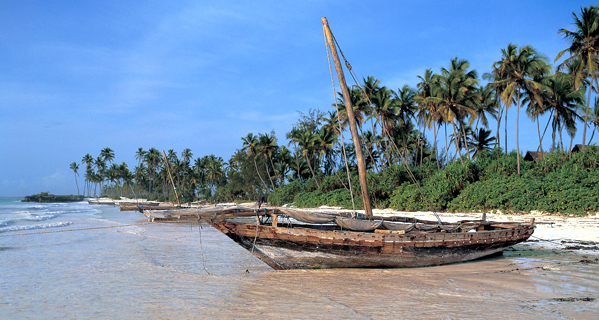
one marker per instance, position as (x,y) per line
(534,156)
(579,147)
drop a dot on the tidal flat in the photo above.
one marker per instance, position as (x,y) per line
(132,269)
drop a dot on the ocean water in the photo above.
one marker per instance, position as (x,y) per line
(85,261)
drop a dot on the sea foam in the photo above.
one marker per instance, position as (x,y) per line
(36,226)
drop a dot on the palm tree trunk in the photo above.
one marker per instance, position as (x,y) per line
(498,125)
(436,130)
(592,135)
(570,149)
(466,142)
(586,113)
(268,173)
(297,163)
(313,175)
(446,146)
(539,132)
(553,125)
(376,144)
(272,164)
(421,142)
(335,171)
(517,136)
(77,184)
(505,126)
(455,135)
(561,140)
(258,172)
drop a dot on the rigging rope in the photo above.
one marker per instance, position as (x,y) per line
(247,268)
(201,246)
(403,158)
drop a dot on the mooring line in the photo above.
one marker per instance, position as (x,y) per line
(201,245)
(541,239)
(56,231)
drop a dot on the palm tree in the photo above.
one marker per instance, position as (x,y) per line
(562,100)
(153,159)
(481,142)
(75,167)
(519,69)
(485,104)
(360,109)
(283,163)
(584,45)
(249,145)
(385,110)
(305,140)
(140,155)
(101,170)
(456,88)
(292,136)
(267,146)
(406,109)
(186,155)
(428,110)
(89,162)
(214,171)
(107,154)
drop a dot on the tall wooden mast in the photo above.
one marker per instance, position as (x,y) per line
(350,114)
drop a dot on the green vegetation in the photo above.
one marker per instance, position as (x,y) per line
(461,166)
(47,197)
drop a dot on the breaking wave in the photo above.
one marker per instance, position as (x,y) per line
(40,217)
(36,226)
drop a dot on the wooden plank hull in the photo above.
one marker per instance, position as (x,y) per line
(146,207)
(302,248)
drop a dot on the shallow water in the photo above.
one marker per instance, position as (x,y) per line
(179,271)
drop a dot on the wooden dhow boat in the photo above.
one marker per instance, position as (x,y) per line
(280,240)
(291,239)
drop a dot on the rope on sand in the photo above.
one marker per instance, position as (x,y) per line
(540,239)
(201,246)
(247,268)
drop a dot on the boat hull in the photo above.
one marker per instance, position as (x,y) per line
(304,248)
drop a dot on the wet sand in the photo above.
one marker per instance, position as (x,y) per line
(535,285)
(522,283)
(172,271)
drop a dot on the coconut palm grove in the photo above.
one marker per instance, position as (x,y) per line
(426,148)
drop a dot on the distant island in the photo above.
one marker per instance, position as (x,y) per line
(46,197)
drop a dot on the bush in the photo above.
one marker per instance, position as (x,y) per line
(336,198)
(558,183)
(435,193)
(286,193)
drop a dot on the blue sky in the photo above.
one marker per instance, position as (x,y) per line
(79,76)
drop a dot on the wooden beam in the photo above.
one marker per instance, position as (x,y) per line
(350,114)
